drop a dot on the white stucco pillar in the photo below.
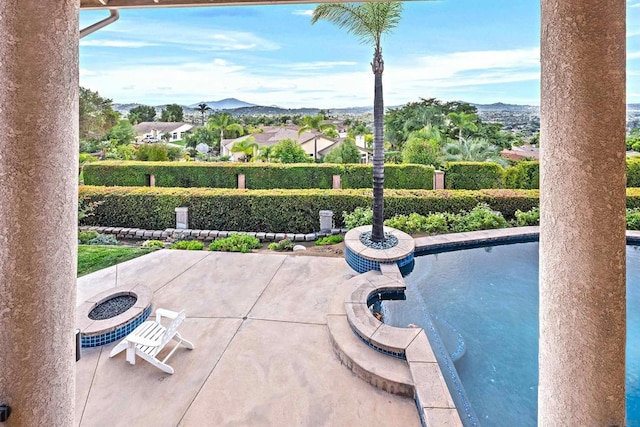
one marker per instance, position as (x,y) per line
(38,208)
(582,240)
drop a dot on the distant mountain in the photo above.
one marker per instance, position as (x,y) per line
(223,104)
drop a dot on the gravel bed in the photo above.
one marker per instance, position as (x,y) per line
(112,307)
(389,241)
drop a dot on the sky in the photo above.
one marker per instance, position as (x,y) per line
(479,51)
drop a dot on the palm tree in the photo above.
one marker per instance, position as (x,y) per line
(202,109)
(315,125)
(463,121)
(224,122)
(247,148)
(368,22)
(472,150)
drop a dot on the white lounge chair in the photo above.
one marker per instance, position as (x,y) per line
(150,337)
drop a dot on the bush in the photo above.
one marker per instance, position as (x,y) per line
(531,217)
(329,240)
(633,219)
(236,243)
(633,172)
(482,217)
(282,245)
(473,175)
(392,157)
(85,236)
(153,244)
(153,153)
(258,176)
(415,223)
(103,239)
(524,175)
(189,245)
(290,211)
(360,216)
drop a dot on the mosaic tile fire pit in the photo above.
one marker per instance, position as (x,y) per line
(94,333)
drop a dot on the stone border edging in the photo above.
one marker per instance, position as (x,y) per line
(207,235)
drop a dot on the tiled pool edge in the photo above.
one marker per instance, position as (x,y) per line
(432,397)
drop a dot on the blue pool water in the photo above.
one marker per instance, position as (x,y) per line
(484,305)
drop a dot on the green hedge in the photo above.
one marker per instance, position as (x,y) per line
(473,175)
(292,211)
(257,176)
(524,175)
(633,172)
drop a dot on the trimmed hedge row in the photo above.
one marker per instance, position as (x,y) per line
(257,176)
(291,211)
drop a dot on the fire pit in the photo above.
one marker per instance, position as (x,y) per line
(111,315)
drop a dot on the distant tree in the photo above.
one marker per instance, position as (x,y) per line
(201,135)
(331,133)
(247,148)
(347,152)
(122,133)
(96,115)
(424,147)
(142,113)
(172,113)
(202,109)
(463,121)
(472,150)
(315,125)
(288,151)
(266,153)
(224,123)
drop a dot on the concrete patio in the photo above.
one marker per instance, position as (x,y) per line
(263,355)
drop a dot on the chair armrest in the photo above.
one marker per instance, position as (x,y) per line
(163,312)
(143,341)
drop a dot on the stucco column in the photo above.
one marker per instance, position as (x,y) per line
(582,233)
(38,208)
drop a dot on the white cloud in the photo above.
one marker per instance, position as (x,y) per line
(116,43)
(299,12)
(633,55)
(320,65)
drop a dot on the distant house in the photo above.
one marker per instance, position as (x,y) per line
(153,131)
(271,135)
(528,152)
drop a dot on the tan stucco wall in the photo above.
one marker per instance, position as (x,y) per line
(38,209)
(582,241)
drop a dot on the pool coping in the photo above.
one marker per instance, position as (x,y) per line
(434,402)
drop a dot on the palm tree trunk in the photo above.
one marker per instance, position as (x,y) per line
(377,232)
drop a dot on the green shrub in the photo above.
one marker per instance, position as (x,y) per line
(329,240)
(523,175)
(282,245)
(633,219)
(85,236)
(633,172)
(235,243)
(531,217)
(482,217)
(473,175)
(153,244)
(415,223)
(153,153)
(257,175)
(291,211)
(103,239)
(360,216)
(393,157)
(189,245)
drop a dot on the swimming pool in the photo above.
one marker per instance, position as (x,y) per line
(483,304)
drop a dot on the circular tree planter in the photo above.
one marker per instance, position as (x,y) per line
(363,256)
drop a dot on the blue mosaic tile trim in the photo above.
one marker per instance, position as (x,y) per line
(451,376)
(385,295)
(398,355)
(482,243)
(423,421)
(116,334)
(362,265)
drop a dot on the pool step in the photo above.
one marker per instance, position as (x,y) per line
(384,372)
